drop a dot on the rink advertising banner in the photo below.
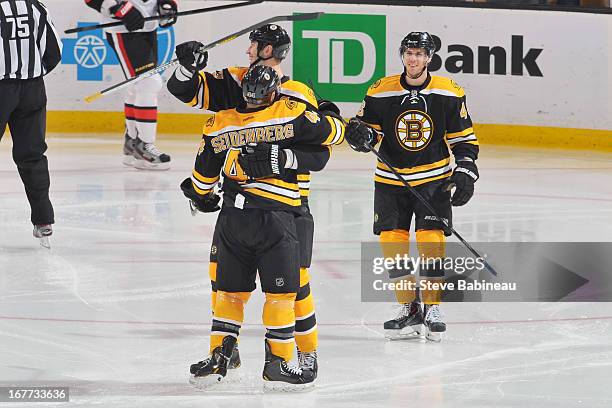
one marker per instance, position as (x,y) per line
(518,67)
(527,272)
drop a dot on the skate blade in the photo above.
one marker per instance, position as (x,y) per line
(407,333)
(203,383)
(280,386)
(128,161)
(145,165)
(434,337)
(45,243)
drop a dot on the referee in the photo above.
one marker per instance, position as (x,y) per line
(29,49)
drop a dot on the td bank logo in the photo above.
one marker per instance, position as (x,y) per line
(340,54)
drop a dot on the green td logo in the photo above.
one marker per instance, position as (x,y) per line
(340,54)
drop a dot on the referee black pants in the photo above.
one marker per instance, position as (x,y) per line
(23,106)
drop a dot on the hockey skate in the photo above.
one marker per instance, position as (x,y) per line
(308,361)
(149,157)
(213,370)
(43,232)
(128,151)
(407,324)
(434,326)
(234,359)
(278,375)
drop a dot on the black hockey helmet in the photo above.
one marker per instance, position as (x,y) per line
(259,83)
(274,35)
(418,39)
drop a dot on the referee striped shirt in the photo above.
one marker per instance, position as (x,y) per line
(30,46)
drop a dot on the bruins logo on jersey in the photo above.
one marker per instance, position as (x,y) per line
(414,130)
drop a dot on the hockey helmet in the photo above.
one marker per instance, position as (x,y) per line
(274,35)
(418,39)
(259,83)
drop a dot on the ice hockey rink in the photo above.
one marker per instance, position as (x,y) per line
(119,307)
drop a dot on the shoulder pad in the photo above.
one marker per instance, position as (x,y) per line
(440,83)
(300,91)
(237,73)
(386,84)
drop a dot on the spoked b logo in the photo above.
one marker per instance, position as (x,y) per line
(340,54)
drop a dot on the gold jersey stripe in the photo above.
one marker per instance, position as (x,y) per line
(199,190)
(412,183)
(279,183)
(459,134)
(294,202)
(203,179)
(303,177)
(337,133)
(417,169)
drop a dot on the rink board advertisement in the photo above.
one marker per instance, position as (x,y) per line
(518,67)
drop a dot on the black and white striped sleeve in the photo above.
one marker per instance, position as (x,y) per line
(48,42)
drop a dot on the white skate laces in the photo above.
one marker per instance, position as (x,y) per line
(404,310)
(307,360)
(433,314)
(291,368)
(151,148)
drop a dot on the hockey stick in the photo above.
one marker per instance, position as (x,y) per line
(430,208)
(228,38)
(153,18)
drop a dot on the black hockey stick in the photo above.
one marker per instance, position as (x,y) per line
(160,17)
(430,208)
(228,38)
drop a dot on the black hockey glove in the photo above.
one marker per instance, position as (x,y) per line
(129,15)
(189,57)
(329,106)
(358,134)
(262,160)
(463,178)
(206,204)
(167,9)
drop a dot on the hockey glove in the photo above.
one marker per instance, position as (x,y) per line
(359,135)
(129,15)
(189,56)
(167,9)
(206,204)
(262,160)
(329,106)
(463,178)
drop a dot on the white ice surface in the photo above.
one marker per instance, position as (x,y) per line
(119,307)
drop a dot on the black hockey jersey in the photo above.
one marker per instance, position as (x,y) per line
(216,91)
(417,127)
(286,123)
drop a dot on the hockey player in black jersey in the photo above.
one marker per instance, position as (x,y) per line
(417,118)
(214,91)
(249,148)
